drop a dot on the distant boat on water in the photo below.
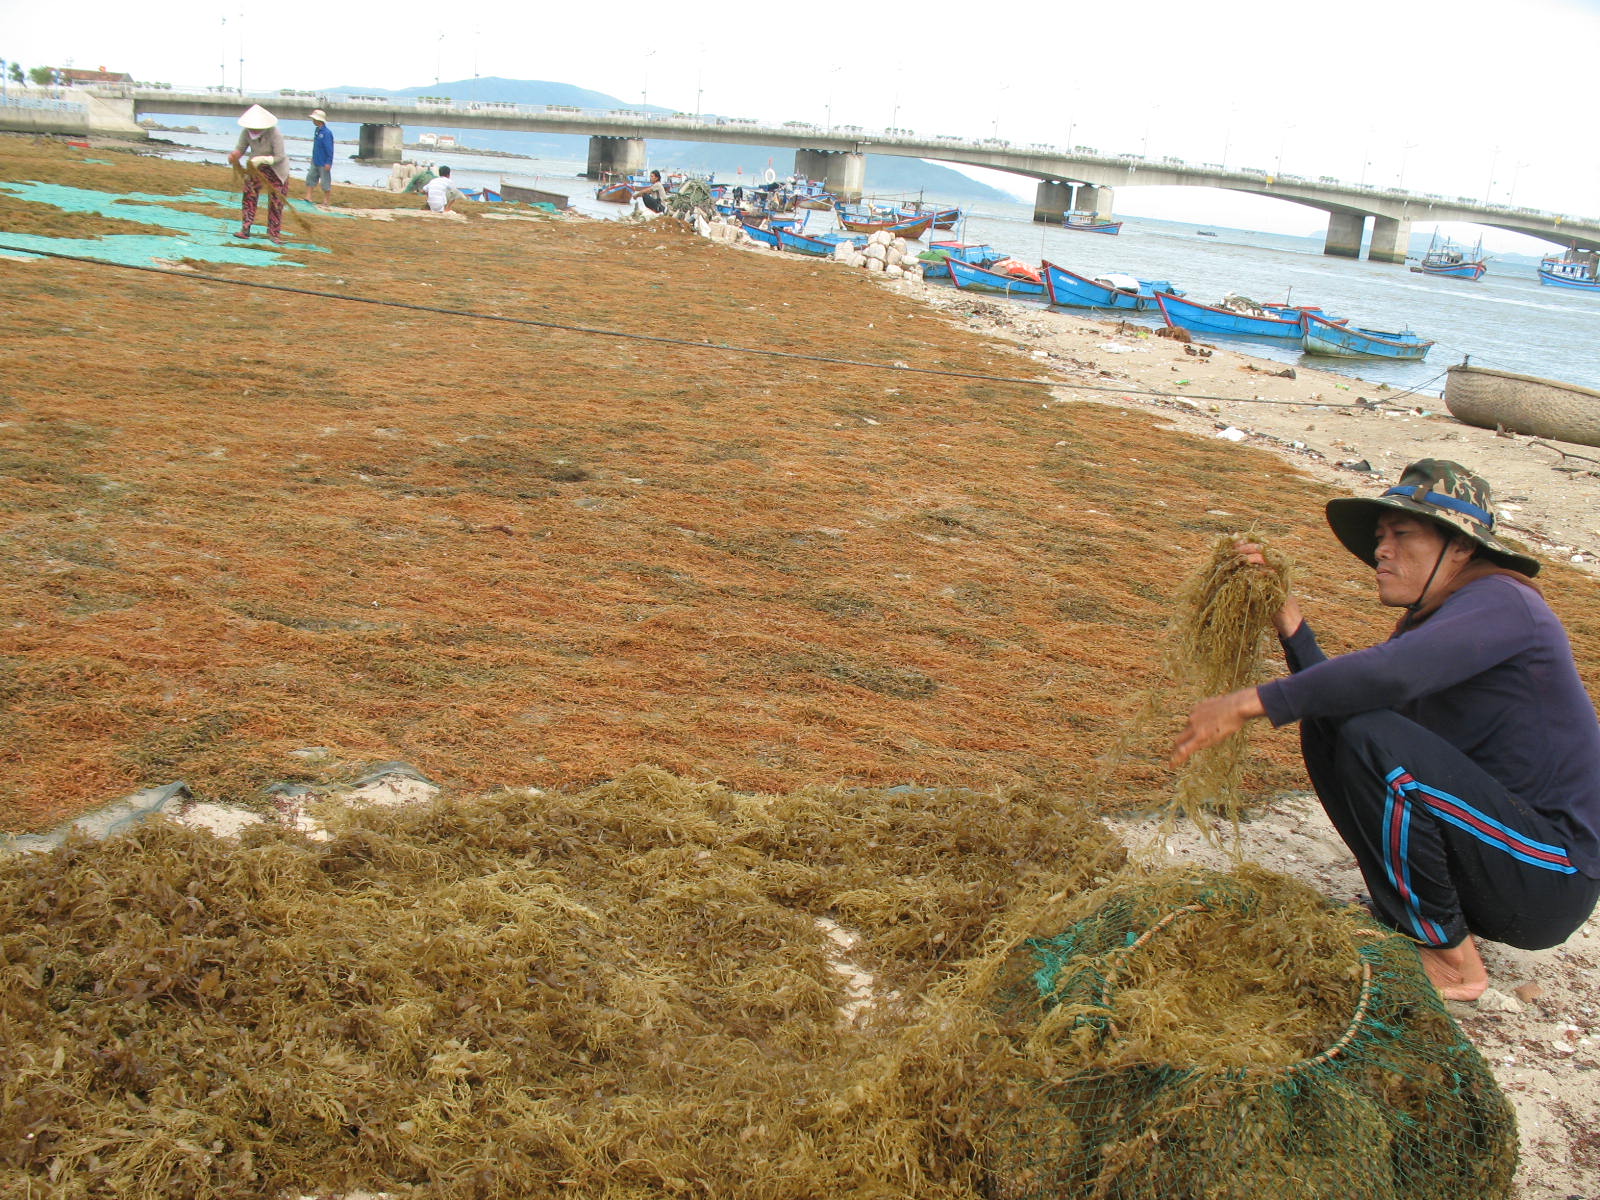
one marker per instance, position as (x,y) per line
(1445,258)
(1205,233)
(1088,222)
(1523,404)
(1576,268)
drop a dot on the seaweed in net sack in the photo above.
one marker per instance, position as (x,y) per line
(1236,1037)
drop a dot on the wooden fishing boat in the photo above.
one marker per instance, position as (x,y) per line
(943,217)
(614,193)
(1576,268)
(912,228)
(1216,321)
(1322,336)
(1444,258)
(1523,404)
(766,237)
(819,246)
(1068,289)
(933,258)
(1088,222)
(999,282)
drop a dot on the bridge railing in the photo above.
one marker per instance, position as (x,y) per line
(441,106)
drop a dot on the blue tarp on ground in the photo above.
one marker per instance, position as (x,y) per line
(188,235)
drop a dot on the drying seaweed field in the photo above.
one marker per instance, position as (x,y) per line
(774,703)
(242,524)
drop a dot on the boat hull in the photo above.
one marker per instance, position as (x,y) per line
(977,279)
(1472,270)
(1067,289)
(1331,340)
(1523,404)
(1554,280)
(1207,318)
(912,229)
(765,237)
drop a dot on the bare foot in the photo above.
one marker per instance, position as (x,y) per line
(1458,972)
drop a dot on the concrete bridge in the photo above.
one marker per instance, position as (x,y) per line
(1077,177)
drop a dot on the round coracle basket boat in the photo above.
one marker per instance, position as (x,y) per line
(1523,404)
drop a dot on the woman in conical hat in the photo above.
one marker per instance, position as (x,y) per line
(260,154)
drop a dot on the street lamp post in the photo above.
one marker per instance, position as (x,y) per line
(1405,154)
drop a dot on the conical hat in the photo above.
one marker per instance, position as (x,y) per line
(256,117)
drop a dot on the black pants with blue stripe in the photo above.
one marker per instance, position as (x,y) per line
(1445,849)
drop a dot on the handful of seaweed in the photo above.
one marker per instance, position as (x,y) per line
(1225,611)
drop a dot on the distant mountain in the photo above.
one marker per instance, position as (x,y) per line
(885,173)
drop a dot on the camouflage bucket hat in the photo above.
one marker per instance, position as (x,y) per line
(1437,490)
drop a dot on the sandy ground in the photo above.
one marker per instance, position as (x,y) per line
(1338,429)
(1539,1023)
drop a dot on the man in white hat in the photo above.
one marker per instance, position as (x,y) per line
(1460,759)
(261,155)
(321,170)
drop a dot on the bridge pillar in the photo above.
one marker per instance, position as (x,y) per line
(615,156)
(842,172)
(1093,199)
(381,143)
(1050,200)
(1391,238)
(1345,230)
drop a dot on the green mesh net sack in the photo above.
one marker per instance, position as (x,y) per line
(1237,1037)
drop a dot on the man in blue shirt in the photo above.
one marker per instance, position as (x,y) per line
(1460,759)
(321,169)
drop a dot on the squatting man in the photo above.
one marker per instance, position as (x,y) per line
(1460,759)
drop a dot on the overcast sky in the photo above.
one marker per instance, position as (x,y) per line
(1459,98)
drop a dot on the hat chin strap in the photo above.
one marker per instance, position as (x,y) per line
(1411,609)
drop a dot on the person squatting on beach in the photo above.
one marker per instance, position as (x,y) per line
(440,192)
(1460,759)
(265,162)
(654,197)
(321,169)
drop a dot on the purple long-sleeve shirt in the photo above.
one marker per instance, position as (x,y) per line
(1491,672)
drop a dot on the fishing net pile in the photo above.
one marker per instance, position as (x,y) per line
(652,988)
(1235,1037)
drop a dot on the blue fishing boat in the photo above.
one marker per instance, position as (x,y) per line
(933,258)
(1444,258)
(1088,222)
(819,246)
(1322,336)
(982,279)
(1575,269)
(790,221)
(943,216)
(1218,321)
(766,237)
(1068,289)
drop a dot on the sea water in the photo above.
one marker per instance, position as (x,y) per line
(1507,319)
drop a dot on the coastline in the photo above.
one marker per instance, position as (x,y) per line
(1543,1051)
